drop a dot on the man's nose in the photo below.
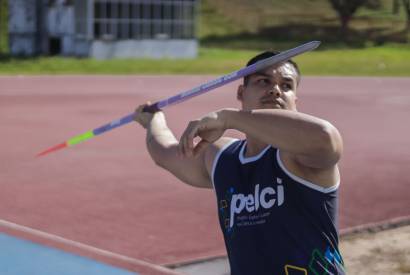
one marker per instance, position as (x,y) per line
(275,91)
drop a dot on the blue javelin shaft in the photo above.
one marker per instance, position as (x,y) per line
(213,84)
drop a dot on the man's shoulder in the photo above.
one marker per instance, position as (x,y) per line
(214,149)
(223,141)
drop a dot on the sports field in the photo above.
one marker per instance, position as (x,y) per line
(103,207)
(105,198)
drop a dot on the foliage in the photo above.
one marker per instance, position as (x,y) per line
(3,26)
(244,24)
(346,9)
(406,5)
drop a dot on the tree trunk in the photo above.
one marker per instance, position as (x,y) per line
(408,30)
(396,7)
(406,5)
(1,25)
(344,26)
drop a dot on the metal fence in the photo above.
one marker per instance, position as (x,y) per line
(143,19)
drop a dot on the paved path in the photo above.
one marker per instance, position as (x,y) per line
(18,257)
(108,194)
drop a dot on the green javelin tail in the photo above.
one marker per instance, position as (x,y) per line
(90,134)
(80,138)
(73,141)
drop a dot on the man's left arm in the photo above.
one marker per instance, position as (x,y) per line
(315,142)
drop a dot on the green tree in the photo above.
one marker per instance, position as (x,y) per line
(345,10)
(3,26)
(396,6)
(406,5)
(2,34)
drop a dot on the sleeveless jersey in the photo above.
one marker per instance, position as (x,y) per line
(273,222)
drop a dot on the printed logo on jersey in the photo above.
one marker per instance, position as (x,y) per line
(330,262)
(250,209)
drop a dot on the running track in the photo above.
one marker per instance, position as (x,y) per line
(107,193)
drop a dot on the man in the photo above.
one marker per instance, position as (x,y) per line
(277,189)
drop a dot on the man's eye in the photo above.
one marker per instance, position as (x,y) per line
(286,86)
(263,81)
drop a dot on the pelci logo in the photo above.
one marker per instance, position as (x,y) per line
(264,198)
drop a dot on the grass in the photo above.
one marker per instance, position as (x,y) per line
(388,60)
(373,61)
(209,61)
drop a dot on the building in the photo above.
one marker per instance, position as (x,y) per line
(104,28)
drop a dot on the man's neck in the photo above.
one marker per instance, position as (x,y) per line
(253,147)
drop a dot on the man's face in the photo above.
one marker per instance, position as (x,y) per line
(272,88)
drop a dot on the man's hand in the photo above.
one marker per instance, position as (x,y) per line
(208,128)
(145,118)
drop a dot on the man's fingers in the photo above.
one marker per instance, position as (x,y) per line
(140,110)
(200,147)
(181,146)
(187,149)
(186,143)
(141,116)
(190,138)
(182,143)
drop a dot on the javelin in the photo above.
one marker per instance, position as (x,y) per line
(211,85)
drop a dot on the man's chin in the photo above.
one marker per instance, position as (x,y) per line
(270,106)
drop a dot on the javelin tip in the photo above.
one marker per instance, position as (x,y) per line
(52,149)
(316,43)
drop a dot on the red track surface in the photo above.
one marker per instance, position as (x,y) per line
(107,193)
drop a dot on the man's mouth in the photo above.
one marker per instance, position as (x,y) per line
(274,103)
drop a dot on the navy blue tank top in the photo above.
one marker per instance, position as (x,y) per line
(274,222)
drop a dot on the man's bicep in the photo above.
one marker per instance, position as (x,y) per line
(195,171)
(325,160)
(190,170)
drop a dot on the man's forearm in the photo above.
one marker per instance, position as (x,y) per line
(163,148)
(288,130)
(159,139)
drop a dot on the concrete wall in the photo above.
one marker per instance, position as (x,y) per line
(33,23)
(60,24)
(144,48)
(22,27)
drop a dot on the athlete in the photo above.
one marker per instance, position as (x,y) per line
(277,190)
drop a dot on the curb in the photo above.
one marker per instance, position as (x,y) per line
(84,250)
(196,261)
(375,227)
(344,234)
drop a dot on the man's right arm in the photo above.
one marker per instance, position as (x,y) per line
(164,150)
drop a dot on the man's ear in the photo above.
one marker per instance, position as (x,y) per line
(239,92)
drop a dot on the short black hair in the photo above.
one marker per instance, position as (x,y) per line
(265,55)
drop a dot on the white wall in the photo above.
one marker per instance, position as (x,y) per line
(147,48)
(60,23)
(22,27)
